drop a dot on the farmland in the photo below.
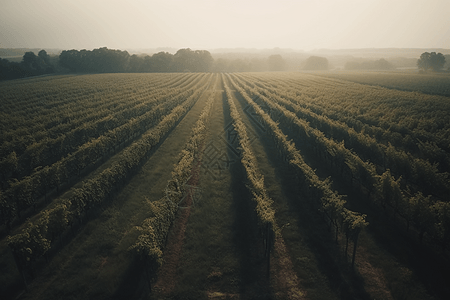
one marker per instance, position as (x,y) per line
(225,186)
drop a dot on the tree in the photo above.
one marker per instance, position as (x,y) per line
(431,61)
(11,70)
(221,65)
(29,60)
(161,62)
(276,63)
(70,59)
(136,64)
(238,65)
(37,65)
(316,63)
(44,56)
(187,60)
(380,64)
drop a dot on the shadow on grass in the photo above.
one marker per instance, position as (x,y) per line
(428,265)
(254,282)
(80,228)
(345,283)
(134,285)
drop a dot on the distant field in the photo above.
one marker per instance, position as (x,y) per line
(431,83)
(225,186)
(13,58)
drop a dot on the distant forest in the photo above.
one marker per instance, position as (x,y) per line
(104,60)
(31,65)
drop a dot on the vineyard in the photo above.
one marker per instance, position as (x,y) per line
(225,186)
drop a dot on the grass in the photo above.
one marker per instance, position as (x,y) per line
(307,244)
(431,83)
(209,262)
(96,262)
(221,257)
(382,267)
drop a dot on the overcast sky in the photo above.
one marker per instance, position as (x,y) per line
(210,24)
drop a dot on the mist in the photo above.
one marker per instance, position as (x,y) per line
(205,24)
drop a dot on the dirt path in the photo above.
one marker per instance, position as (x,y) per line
(96,263)
(200,257)
(167,275)
(219,257)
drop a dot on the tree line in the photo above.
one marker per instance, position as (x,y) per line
(380,64)
(31,65)
(104,60)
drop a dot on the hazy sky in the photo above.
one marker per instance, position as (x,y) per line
(209,24)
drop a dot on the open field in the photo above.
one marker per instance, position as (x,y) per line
(428,83)
(225,186)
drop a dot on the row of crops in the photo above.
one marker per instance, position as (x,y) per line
(41,154)
(431,83)
(59,132)
(153,232)
(150,244)
(319,192)
(403,178)
(31,240)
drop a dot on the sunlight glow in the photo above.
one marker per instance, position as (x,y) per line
(207,24)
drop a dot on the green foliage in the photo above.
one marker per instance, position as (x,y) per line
(442,224)
(292,112)
(104,60)
(431,61)
(154,230)
(187,60)
(422,213)
(153,233)
(353,223)
(390,192)
(380,64)
(316,63)
(31,65)
(58,219)
(7,209)
(330,202)
(276,63)
(90,151)
(264,209)
(96,189)
(394,144)
(31,243)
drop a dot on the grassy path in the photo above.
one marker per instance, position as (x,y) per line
(96,263)
(220,257)
(208,263)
